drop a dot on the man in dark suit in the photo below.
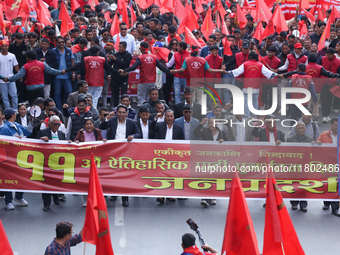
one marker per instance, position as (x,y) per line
(72,99)
(143,123)
(51,133)
(196,108)
(270,133)
(167,130)
(121,127)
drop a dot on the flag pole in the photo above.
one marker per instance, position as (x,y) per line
(283,250)
(84,247)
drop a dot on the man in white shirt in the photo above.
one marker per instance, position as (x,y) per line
(125,37)
(160,108)
(7,62)
(167,130)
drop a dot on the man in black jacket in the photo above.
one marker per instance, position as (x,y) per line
(19,49)
(51,133)
(270,133)
(196,107)
(144,124)
(167,130)
(45,54)
(153,99)
(121,60)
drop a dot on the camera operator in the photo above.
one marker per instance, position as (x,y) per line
(190,248)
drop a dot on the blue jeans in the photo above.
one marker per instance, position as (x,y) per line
(58,85)
(10,89)
(178,84)
(255,104)
(96,92)
(9,196)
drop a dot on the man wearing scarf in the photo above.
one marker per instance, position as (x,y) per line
(270,133)
(190,248)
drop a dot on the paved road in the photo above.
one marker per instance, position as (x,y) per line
(148,228)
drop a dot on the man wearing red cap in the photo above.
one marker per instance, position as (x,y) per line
(294,59)
(7,62)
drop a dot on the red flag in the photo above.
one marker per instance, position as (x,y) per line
(24,11)
(43,15)
(309,16)
(312,11)
(12,9)
(5,247)
(16,29)
(55,4)
(208,25)
(189,21)
(122,8)
(324,36)
(320,15)
(117,43)
(190,38)
(269,29)
(93,3)
(179,9)
(96,226)
(262,12)
(199,6)
(144,4)
(66,21)
(133,16)
(279,20)
(226,47)
(241,19)
(303,28)
(224,29)
(270,3)
(115,25)
(107,17)
(167,6)
(259,32)
(74,5)
(2,21)
(239,233)
(219,7)
(279,234)
(304,4)
(335,91)
(334,14)
(161,53)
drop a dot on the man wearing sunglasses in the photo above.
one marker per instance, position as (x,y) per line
(125,37)
(187,123)
(103,114)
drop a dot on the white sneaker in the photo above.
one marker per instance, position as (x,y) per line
(212,201)
(22,201)
(204,203)
(329,118)
(324,120)
(336,111)
(9,206)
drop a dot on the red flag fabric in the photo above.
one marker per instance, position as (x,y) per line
(335,91)
(189,21)
(167,6)
(161,53)
(303,28)
(96,226)
(320,15)
(55,4)
(2,21)
(262,11)
(219,7)
(12,9)
(325,35)
(310,16)
(334,14)
(199,6)
(270,3)
(144,4)
(224,29)
(74,5)
(280,237)
(226,47)
(43,15)
(93,3)
(5,247)
(115,25)
(16,29)
(312,10)
(269,29)
(208,25)
(190,38)
(107,17)
(122,8)
(259,32)
(241,19)
(133,16)
(304,4)
(24,11)
(66,21)
(279,20)
(117,43)
(179,9)
(239,233)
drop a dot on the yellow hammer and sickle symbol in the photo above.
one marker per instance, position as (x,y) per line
(102,215)
(15,5)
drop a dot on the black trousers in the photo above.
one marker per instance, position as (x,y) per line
(326,100)
(167,87)
(267,95)
(47,198)
(334,205)
(115,86)
(21,89)
(34,94)
(302,203)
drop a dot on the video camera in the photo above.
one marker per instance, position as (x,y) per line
(194,227)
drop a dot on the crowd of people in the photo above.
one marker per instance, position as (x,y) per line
(68,78)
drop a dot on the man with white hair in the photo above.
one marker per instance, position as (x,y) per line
(51,133)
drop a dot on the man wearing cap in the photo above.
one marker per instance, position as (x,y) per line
(206,50)
(244,34)
(33,71)
(272,63)
(294,59)
(45,54)
(11,128)
(8,61)
(253,71)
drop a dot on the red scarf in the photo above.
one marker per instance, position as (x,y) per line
(151,43)
(76,48)
(77,111)
(176,37)
(54,44)
(271,130)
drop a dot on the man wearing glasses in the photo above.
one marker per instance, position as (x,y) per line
(63,59)
(125,37)
(187,123)
(105,37)
(103,113)
(65,238)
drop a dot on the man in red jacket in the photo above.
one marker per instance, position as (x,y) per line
(294,59)
(147,63)
(180,79)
